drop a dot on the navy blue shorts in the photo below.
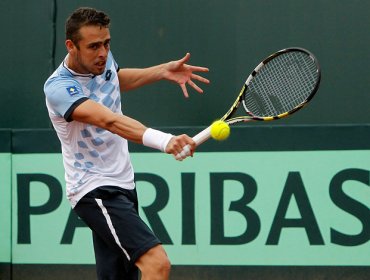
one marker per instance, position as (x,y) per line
(120,236)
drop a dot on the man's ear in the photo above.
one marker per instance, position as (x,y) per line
(70,46)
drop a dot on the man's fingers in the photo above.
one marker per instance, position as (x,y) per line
(182,147)
(184,59)
(197,68)
(194,86)
(184,153)
(184,90)
(199,78)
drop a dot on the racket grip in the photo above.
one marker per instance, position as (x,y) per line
(200,138)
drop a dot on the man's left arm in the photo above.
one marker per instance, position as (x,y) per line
(175,71)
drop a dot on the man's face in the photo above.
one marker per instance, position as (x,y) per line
(91,54)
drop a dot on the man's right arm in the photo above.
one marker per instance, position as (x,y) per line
(67,100)
(96,114)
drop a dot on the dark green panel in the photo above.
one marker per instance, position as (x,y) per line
(5,141)
(5,271)
(26,62)
(35,141)
(230,37)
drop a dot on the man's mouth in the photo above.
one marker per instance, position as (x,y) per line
(101,64)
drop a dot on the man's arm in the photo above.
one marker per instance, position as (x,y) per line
(96,114)
(176,71)
(132,78)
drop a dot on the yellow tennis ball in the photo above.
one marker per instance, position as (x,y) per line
(220,130)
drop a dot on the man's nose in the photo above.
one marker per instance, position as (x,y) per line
(103,51)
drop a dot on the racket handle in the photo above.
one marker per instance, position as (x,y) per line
(200,138)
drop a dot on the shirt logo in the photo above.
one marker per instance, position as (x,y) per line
(108,75)
(72,90)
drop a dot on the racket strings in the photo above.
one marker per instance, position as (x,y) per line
(281,85)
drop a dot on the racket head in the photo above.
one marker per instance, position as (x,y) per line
(280,85)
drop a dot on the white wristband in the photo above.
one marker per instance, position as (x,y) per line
(156,139)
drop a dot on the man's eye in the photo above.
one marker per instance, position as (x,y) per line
(94,47)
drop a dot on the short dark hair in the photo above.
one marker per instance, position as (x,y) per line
(82,17)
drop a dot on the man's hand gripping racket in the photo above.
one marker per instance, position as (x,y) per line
(279,86)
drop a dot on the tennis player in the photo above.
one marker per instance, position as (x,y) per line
(84,104)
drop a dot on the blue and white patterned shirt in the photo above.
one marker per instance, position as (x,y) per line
(92,156)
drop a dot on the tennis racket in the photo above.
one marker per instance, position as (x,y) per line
(279,86)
